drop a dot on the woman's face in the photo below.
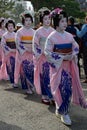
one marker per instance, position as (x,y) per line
(63,24)
(46,20)
(3,25)
(10,27)
(27,22)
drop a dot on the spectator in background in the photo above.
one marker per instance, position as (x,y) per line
(71,28)
(83,35)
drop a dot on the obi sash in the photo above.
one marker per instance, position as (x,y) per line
(63,48)
(11,44)
(26,42)
(26,39)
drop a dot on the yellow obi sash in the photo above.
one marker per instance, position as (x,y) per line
(26,39)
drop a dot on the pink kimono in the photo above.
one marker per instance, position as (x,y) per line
(1,33)
(9,52)
(61,51)
(24,68)
(41,66)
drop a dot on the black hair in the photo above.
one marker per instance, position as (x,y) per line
(42,14)
(1,22)
(10,21)
(72,20)
(26,16)
(58,17)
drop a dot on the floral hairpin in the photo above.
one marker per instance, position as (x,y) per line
(55,12)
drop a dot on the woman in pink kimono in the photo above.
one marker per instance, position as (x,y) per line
(41,68)
(61,51)
(9,50)
(2,31)
(24,58)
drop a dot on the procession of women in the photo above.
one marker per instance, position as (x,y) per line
(43,58)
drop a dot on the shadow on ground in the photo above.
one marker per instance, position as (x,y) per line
(32,97)
(5,126)
(79,123)
(15,90)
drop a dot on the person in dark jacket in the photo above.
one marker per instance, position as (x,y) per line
(83,35)
(71,28)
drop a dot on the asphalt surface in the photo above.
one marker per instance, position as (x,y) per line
(19,111)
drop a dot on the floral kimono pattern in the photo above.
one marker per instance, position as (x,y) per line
(41,66)
(61,51)
(9,52)
(24,58)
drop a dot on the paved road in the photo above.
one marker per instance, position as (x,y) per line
(19,111)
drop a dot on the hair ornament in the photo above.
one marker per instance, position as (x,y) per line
(42,10)
(22,15)
(55,12)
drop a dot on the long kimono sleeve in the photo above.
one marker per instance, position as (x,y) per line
(5,48)
(75,51)
(21,49)
(36,46)
(53,58)
(75,47)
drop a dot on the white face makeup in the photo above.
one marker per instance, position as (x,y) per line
(46,20)
(27,22)
(10,27)
(62,24)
